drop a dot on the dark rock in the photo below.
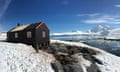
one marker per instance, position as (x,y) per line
(64,50)
(56,66)
(93,68)
(88,57)
(84,50)
(92,59)
(73,68)
(97,61)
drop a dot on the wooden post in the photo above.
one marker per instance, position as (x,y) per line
(37,48)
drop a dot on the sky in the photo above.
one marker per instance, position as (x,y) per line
(60,15)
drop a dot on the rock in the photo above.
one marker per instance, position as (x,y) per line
(93,68)
(73,68)
(88,57)
(64,50)
(56,66)
(92,58)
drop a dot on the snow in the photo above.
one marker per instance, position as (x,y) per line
(101,30)
(83,62)
(3,36)
(78,32)
(23,58)
(19,28)
(111,63)
(69,43)
(115,31)
(98,30)
(114,34)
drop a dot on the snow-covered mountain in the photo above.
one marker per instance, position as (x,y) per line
(107,31)
(114,34)
(100,30)
(77,32)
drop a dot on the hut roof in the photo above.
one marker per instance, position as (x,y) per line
(19,28)
(27,27)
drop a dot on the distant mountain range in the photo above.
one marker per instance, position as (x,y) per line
(103,30)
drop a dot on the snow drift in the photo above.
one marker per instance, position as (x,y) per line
(3,36)
(23,58)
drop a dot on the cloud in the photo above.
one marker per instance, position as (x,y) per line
(107,19)
(3,6)
(116,22)
(95,21)
(91,15)
(117,5)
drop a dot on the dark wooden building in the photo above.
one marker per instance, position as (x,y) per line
(36,34)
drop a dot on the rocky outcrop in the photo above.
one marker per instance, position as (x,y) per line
(73,58)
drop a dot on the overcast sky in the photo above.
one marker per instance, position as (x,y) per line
(60,15)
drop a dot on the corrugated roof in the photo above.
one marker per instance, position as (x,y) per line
(19,28)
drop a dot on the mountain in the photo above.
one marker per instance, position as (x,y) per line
(77,32)
(107,31)
(102,29)
(98,30)
(114,34)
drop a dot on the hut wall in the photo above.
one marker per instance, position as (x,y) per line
(39,36)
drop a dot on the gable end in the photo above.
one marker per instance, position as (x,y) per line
(41,24)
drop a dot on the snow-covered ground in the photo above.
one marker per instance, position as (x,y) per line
(3,36)
(111,63)
(23,58)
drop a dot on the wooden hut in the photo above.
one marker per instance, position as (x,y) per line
(36,34)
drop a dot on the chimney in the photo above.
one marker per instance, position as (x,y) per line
(18,24)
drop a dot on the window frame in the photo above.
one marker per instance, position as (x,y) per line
(29,34)
(16,35)
(43,34)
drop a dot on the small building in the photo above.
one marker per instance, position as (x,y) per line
(36,34)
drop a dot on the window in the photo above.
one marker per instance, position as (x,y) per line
(16,35)
(43,34)
(29,34)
